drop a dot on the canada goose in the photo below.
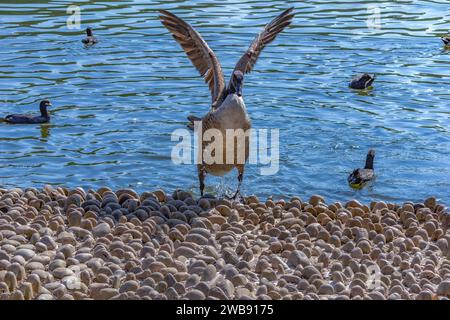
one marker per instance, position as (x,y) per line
(228,110)
(446,40)
(90,39)
(359,177)
(30,119)
(362,81)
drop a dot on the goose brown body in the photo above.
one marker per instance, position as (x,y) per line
(232,115)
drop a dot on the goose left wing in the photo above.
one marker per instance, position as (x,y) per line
(198,51)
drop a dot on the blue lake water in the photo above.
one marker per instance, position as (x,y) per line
(117,103)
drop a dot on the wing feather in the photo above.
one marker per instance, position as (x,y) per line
(269,33)
(198,51)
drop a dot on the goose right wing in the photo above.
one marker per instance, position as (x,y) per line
(270,31)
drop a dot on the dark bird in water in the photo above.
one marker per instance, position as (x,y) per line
(362,81)
(90,39)
(360,177)
(228,110)
(446,40)
(26,118)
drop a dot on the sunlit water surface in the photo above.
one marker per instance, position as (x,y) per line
(117,103)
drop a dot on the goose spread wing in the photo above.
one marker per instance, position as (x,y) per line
(271,30)
(197,50)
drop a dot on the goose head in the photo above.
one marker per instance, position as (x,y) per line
(237,81)
(362,81)
(89,32)
(368,79)
(43,107)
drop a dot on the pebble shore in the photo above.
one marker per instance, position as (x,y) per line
(57,243)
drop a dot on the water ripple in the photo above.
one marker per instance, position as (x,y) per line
(116,104)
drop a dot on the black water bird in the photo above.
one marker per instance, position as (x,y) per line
(362,81)
(360,177)
(30,119)
(90,39)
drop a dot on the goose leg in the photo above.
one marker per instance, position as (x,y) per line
(201,177)
(240,178)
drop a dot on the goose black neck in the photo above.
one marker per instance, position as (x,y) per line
(236,83)
(369,160)
(44,111)
(89,32)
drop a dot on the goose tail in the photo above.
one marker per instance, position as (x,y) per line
(446,40)
(192,119)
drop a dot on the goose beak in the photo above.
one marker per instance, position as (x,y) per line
(239,90)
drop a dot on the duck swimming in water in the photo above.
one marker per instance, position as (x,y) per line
(90,39)
(360,177)
(362,81)
(446,40)
(228,111)
(30,119)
